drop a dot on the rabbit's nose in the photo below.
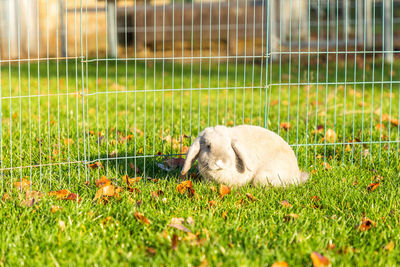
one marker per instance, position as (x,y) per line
(220,164)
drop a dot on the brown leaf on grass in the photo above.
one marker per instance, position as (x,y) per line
(61,225)
(103,181)
(280,264)
(174,162)
(153,180)
(380,126)
(68,141)
(107,190)
(366,224)
(224,190)
(60,194)
(330,136)
(224,215)
(190,221)
(372,187)
(134,190)
(131,181)
(180,227)
(157,194)
(395,122)
(274,102)
(389,246)
(54,209)
(141,218)
(184,150)
(315,198)
(319,260)
(186,186)
(286,204)
(285,126)
(331,246)
(251,197)
(22,183)
(96,165)
(6,197)
(212,203)
(290,216)
(151,251)
(326,165)
(174,241)
(73,197)
(377,178)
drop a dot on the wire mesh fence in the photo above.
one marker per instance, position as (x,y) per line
(91,88)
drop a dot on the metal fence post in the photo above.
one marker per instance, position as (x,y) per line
(388,31)
(112,29)
(272,28)
(368,20)
(61,10)
(360,22)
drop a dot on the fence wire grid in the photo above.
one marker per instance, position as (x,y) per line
(91,88)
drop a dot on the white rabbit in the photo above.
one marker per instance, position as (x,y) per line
(242,155)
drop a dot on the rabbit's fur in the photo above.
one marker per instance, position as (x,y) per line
(242,155)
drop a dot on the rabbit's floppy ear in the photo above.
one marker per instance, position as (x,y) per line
(240,152)
(191,156)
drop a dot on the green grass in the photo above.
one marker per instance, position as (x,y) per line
(117,100)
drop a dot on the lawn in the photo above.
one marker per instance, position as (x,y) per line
(60,122)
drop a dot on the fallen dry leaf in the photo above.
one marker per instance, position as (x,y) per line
(290,216)
(285,126)
(6,197)
(331,246)
(224,215)
(174,162)
(372,187)
(315,198)
(60,194)
(390,246)
(22,183)
(131,181)
(74,197)
(157,194)
(54,209)
(151,251)
(330,136)
(174,241)
(61,225)
(212,203)
(184,149)
(286,204)
(190,221)
(103,181)
(319,260)
(180,227)
(280,264)
(68,141)
(224,190)
(366,224)
(141,218)
(377,178)
(326,165)
(251,197)
(186,186)
(177,220)
(96,165)
(380,126)
(107,190)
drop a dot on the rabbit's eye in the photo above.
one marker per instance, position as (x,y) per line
(208,147)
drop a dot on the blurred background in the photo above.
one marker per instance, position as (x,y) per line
(165,28)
